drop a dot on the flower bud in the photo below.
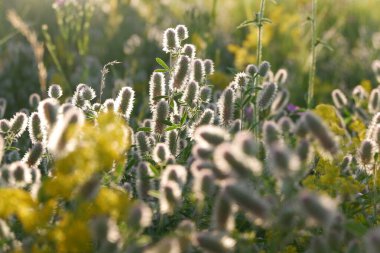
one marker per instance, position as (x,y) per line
(226,107)
(156,88)
(87,93)
(215,242)
(142,144)
(48,112)
(374,101)
(139,216)
(281,77)
(55,91)
(264,68)
(209,67)
(367,152)
(223,213)
(251,70)
(170,40)
(267,95)
(35,128)
(170,197)
(124,102)
(159,115)
(143,182)
(18,124)
(191,94)
(189,50)
(210,135)
(271,133)
(339,99)
(181,71)
(5,125)
(33,157)
(171,141)
(161,153)
(34,100)
(280,101)
(198,71)
(205,94)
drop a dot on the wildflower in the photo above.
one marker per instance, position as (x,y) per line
(34,100)
(35,128)
(189,50)
(226,106)
(170,197)
(198,71)
(191,94)
(5,125)
(215,242)
(181,71)
(321,208)
(264,68)
(281,77)
(33,157)
(283,161)
(140,216)
(18,124)
(251,70)
(280,101)
(339,99)
(87,93)
(20,173)
(161,153)
(241,79)
(320,132)
(209,67)
(142,143)
(374,101)
(210,135)
(176,173)
(170,40)
(143,183)
(159,115)
(171,141)
(55,91)
(156,87)
(182,32)
(200,151)
(109,105)
(48,111)
(205,94)
(244,141)
(304,151)
(271,134)
(203,183)
(366,152)
(267,95)
(223,214)
(286,124)
(359,93)
(124,102)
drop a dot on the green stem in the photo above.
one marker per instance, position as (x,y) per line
(310,93)
(374,193)
(260,16)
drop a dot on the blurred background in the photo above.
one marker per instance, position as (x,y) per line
(81,36)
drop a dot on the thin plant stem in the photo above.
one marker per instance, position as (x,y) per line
(260,15)
(374,193)
(310,93)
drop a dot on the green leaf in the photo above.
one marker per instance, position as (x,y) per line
(162,63)
(154,194)
(183,119)
(166,122)
(154,170)
(173,127)
(144,129)
(161,70)
(356,228)
(159,97)
(246,23)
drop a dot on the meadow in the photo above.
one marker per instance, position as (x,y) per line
(169,126)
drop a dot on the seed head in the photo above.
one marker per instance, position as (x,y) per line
(34,100)
(223,214)
(198,71)
(140,216)
(191,94)
(209,67)
(124,102)
(48,112)
(247,201)
(267,95)
(319,207)
(18,124)
(210,135)
(182,32)
(55,91)
(372,240)
(109,105)
(374,101)
(339,99)
(33,157)
(189,50)
(321,132)
(143,182)
(226,106)
(264,68)
(181,71)
(359,93)
(281,77)
(170,40)
(286,124)
(170,197)
(215,242)
(142,144)
(366,152)
(171,141)
(5,125)
(280,101)
(205,94)
(251,70)
(156,88)
(271,133)
(241,79)
(160,114)
(35,128)
(87,93)
(161,153)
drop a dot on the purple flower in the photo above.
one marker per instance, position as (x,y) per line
(292,108)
